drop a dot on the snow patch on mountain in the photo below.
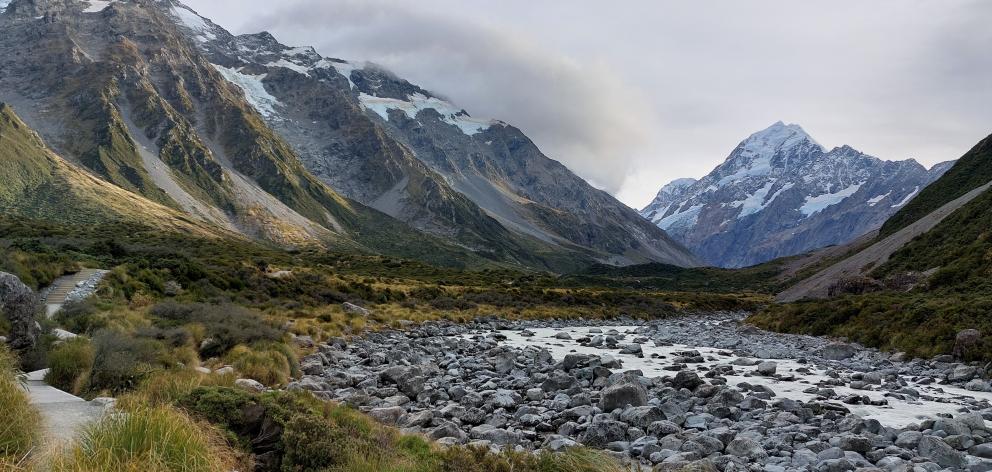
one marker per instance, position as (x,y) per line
(3,5)
(758,201)
(291,66)
(194,22)
(418,102)
(344,68)
(682,219)
(816,204)
(96,6)
(254,90)
(907,199)
(878,198)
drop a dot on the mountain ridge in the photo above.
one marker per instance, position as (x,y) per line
(446,171)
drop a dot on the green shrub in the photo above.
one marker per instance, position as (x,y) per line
(70,365)
(226,326)
(19,421)
(79,317)
(156,439)
(121,361)
(312,444)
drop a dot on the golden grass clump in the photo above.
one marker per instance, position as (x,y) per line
(19,422)
(147,439)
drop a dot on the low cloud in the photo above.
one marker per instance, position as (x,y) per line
(579,113)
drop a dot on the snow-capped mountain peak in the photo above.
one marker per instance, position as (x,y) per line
(781,193)
(777,137)
(765,151)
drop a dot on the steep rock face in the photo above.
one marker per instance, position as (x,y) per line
(780,193)
(400,149)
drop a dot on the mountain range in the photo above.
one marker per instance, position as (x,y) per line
(780,193)
(277,143)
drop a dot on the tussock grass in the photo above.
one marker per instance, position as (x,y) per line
(271,367)
(70,365)
(19,421)
(157,439)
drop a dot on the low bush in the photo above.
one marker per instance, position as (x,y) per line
(70,365)
(157,439)
(121,362)
(225,326)
(79,316)
(168,387)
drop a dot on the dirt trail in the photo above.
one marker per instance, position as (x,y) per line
(875,255)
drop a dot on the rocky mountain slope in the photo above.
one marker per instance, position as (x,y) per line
(275,143)
(947,247)
(918,289)
(973,170)
(409,153)
(780,193)
(41,185)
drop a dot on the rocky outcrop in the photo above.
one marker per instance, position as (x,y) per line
(780,193)
(966,341)
(19,306)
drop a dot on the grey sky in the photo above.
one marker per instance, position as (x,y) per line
(635,93)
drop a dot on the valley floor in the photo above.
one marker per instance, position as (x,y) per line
(701,390)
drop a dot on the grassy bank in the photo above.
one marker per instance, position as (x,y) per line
(19,421)
(920,324)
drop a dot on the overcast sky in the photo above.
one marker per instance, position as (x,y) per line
(632,94)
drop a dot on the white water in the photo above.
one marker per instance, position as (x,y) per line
(897,414)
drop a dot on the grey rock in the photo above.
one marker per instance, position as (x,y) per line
(938,451)
(837,351)
(353,309)
(250,385)
(965,341)
(448,429)
(909,439)
(962,373)
(390,415)
(601,433)
(746,448)
(766,368)
(18,305)
(622,394)
(642,416)
(687,379)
